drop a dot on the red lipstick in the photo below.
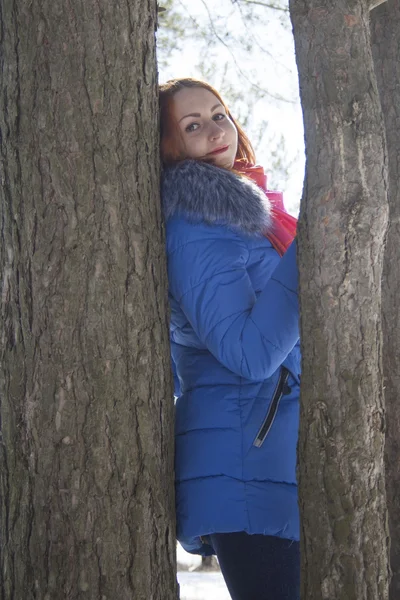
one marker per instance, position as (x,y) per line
(219,150)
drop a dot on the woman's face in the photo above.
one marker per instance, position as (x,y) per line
(206,132)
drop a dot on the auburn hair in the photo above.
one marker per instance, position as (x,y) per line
(170,132)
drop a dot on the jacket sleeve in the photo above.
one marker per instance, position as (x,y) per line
(248,335)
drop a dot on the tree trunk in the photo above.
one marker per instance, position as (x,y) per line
(385,26)
(86,455)
(343,221)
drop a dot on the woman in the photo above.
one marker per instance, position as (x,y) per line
(234,339)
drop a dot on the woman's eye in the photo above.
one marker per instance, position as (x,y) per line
(219,117)
(192,127)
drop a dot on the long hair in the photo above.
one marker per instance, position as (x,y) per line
(170,133)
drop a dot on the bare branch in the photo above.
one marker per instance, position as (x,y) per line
(267,5)
(255,39)
(240,71)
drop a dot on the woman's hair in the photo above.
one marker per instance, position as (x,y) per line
(170,132)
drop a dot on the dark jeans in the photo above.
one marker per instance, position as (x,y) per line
(258,567)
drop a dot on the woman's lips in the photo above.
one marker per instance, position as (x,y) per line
(219,150)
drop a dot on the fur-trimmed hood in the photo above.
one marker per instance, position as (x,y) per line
(204,192)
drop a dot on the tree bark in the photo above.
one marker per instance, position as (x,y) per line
(385,28)
(374,3)
(343,222)
(86,454)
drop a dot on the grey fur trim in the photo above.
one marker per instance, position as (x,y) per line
(203,192)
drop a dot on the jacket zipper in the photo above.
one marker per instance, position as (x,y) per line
(281,389)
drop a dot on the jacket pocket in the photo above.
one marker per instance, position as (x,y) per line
(282,388)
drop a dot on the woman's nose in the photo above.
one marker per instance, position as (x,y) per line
(216,131)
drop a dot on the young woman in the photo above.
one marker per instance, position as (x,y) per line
(234,338)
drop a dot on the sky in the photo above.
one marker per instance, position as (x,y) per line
(270,62)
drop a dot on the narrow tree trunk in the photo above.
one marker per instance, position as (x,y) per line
(385,26)
(86,457)
(343,221)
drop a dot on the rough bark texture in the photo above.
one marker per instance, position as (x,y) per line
(374,3)
(385,28)
(86,455)
(343,221)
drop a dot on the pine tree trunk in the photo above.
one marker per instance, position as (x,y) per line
(343,221)
(86,454)
(385,28)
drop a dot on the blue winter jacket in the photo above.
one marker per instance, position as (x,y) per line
(234,343)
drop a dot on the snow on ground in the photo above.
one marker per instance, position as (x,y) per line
(200,585)
(186,560)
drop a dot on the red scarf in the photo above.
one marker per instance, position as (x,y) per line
(283,224)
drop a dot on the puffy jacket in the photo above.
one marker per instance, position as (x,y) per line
(235,347)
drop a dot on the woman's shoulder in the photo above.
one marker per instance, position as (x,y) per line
(202,193)
(190,235)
